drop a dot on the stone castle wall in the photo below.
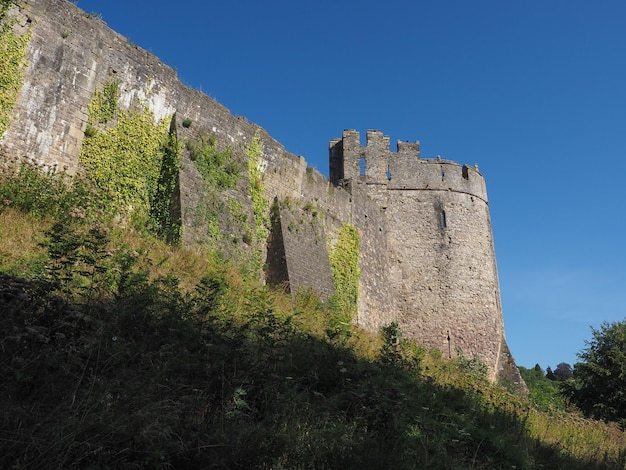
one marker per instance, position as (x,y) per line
(70,54)
(426,254)
(438,242)
(299,259)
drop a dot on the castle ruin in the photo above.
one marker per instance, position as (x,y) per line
(426,251)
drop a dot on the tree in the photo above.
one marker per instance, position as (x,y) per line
(563,371)
(542,391)
(598,387)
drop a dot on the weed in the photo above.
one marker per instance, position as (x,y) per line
(90,131)
(219,170)
(129,352)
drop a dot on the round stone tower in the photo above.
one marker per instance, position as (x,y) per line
(439,243)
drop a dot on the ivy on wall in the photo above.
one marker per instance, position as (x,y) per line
(260,204)
(205,214)
(133,162)
(161,201)
(344,265)
(12,52)
(219,170)
(103,105)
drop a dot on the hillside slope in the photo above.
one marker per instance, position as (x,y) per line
(120,351)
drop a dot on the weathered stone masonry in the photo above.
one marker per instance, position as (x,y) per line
(426,250)
(438,242)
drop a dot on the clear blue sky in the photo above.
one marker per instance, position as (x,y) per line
(533,91)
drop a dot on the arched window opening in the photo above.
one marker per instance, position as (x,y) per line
(388,173)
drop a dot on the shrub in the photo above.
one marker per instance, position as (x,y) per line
(219,170)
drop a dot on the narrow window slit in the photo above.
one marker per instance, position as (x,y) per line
(465,172)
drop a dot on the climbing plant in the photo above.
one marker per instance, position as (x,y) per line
(12,52)
(125,159)
(344,264)
(161,200)
(103,105)
(260,204)
(219,170)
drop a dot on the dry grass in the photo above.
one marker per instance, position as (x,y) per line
(20,238)
(187,264)
(581,438)
(573,438)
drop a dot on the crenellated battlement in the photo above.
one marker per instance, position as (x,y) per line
(351,161)
(375,164)
(426,256)
(437,239)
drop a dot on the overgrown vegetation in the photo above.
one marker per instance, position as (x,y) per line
(344,265)
(162,211)
(545,393)
(256,235)
(219,170)
(132,161)
(12,51)
(260,204)
(120,351)
(103,105)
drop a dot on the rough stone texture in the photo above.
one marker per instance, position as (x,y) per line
(426,253)
(441,266)
(299,247)
(69,55)
(376,303)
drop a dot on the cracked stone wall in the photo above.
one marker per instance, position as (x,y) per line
(71,54)
(426,254)
(440,259)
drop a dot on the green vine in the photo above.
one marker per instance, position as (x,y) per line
(12,54)
(126,160)
(344,264)
(103,105)
(260,204)
(219,170)
(205,215)
(161,203)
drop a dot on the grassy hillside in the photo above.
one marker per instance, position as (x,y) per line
(121,351)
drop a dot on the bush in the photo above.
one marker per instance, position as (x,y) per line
(599,379)
(50,194)
(110,361)
(219,170)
